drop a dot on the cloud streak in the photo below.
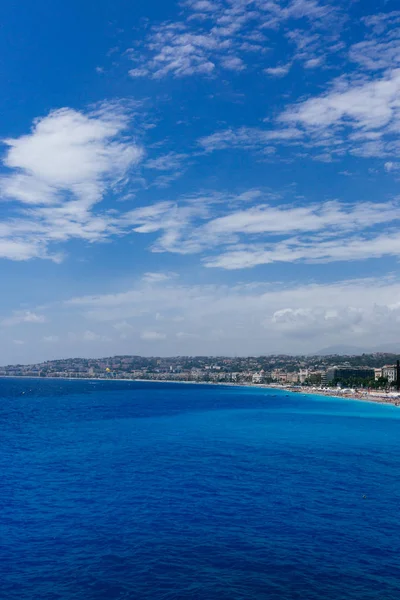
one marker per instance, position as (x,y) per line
(19,317)
(264,233)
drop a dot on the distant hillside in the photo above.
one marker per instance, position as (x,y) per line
(342,350)
(389,348)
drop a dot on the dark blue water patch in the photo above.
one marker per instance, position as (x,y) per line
(116,490)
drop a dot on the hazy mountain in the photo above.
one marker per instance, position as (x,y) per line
(347,350)
(343,350)
(390,348)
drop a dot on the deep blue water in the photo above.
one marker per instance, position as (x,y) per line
(114,490)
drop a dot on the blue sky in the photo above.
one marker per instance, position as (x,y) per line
(198,177)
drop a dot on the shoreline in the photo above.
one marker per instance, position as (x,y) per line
(391,398)
(377,397)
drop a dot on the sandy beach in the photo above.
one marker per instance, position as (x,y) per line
(378,396)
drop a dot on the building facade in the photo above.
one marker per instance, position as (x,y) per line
(390,373)
(346,373)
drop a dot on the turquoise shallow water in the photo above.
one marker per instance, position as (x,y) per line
(114,490)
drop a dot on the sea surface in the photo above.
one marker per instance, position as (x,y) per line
(123,490)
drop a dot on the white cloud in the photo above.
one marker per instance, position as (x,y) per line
(56,175)
(158,277)
(90,336)
(250,318)
(201,223)
(25,316)
(51,338)
(313,217)
(316,45)
(380,22)
(18,342)
(366,105)
(360,116)
(249,138)
(310,9)
(312,63)
(374,55)
(233,63)
(263,233)
(68,151)
(202,5)
(173,221)
(124,329)
(87,336)
(166,162)
(247,318)
(391,166)
(179,52)
(302,321)
(279,71)
(152,336)
(344,249)
(22,249)
(211,37)
(138,72)
(381,47)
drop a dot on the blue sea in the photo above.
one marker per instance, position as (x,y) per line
(124,490)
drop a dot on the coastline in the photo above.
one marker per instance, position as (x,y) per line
(379,397)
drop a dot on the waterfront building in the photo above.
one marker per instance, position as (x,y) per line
(345,373)
(303,375)
(390,373)
(258,377)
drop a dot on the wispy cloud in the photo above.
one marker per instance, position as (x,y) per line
(152,336)
(51,339)
(172,166)
(250,138)
(279,71)
(381,47)
(357,113)
(257,317)
(212,318)
(361,116)
(87,336)
(166,162)
(317,217)
(220,35)
(158,277)
(25,316)
(391,166)
(265,233)
(309,250)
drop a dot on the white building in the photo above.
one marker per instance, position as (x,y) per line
(389,371)
(303,375)
(258,377)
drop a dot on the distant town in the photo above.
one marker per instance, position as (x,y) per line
(376,370)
